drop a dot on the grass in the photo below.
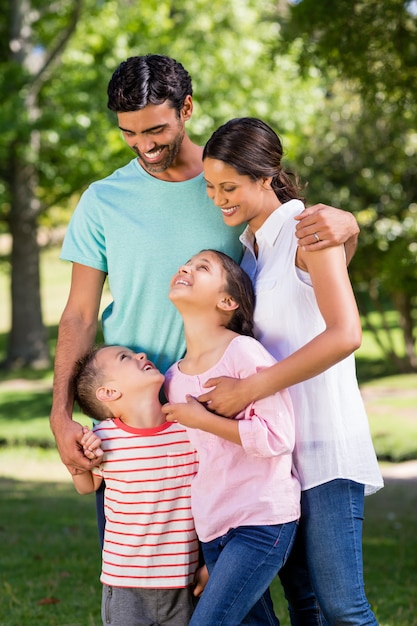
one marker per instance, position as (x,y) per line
(49,562)
(50,558)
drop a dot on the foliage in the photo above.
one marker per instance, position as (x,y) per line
(363,147)
(57,132)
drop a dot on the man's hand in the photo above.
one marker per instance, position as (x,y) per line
(68,436)
(228,396)
(321,226)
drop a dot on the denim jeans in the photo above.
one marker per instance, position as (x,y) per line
(328,552)
(242,564)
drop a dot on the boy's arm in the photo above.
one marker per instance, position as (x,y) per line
(86,482)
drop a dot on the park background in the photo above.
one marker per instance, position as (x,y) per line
(337,81)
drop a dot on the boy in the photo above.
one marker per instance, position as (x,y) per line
(150,551)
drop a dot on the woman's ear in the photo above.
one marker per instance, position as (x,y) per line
(107,394)
(267,183)
(228,304)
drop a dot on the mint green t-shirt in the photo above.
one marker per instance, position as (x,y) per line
(139,230)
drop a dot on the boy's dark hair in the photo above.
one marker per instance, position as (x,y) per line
(150,79)
(87,378)
(239,286)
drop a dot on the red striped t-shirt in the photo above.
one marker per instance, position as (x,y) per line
(150,539)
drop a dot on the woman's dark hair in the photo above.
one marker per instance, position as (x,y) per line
(149,79)
(239,287)
(253,149)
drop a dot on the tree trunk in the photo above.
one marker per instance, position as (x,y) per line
(28,337)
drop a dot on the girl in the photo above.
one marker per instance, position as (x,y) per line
(306,316)
(245,499)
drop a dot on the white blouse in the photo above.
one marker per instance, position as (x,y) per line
(332,432)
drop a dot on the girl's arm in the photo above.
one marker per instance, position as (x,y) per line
(341,337)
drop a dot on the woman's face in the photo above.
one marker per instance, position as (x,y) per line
(239,198)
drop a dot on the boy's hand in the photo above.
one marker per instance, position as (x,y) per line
(200,580)
(91,444)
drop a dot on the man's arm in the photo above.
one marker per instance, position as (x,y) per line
(321,226)
(76,335)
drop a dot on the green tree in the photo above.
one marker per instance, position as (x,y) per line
(57,135)
(362,149)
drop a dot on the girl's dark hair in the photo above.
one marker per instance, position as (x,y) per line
(149,79)
(253,149)
(239,286)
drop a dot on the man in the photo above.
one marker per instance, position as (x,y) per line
(136,226)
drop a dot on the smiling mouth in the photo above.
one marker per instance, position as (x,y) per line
(181,281)
(230,210)
(154,155)
(147,367)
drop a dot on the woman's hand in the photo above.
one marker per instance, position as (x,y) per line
(229,396)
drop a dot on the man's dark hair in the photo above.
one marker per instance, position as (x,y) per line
(149,79)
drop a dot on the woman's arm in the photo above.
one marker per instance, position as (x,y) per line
(340,338)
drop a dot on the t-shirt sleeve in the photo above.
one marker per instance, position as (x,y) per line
(85,241)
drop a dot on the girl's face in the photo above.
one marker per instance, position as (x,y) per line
(239,198)
(201,280)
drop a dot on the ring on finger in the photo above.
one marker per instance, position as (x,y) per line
(316,237)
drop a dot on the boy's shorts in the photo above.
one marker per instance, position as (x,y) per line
(122,606)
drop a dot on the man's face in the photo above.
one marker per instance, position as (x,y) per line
(155,134)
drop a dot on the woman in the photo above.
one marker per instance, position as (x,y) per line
(306,316)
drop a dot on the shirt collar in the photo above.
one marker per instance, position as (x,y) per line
(272,226)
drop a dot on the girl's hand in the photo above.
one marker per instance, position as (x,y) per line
(200,580)
(91,444)
(191,413)
(229,396)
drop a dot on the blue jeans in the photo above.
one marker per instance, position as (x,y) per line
(327,557)
(242,564)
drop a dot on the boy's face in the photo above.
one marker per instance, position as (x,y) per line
(125,369)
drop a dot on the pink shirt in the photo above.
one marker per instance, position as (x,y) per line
(252,484)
